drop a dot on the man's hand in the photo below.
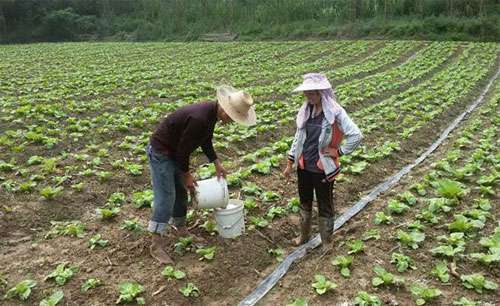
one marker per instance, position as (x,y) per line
(219,169)
(189,182)
(332,152)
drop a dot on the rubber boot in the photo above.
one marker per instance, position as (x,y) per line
(305,227)
(325,230)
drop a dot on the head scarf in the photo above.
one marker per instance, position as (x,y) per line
(328,103)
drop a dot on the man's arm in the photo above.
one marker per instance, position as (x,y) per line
(188,142)
(208,148)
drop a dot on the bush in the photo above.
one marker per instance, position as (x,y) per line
(61,25)
(64,25)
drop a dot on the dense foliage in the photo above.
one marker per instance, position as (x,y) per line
(63,20)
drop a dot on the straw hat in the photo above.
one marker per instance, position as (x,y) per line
(237,104)
(314,81)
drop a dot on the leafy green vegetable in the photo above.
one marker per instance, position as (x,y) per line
(441,271)
(450,189)
(372,233)
(107,213)
(97,240)
(250,203)
(440,204)
(206,171)
(344,262)
(322,284)
(62,274)
(453,244)
(275,211)
(116,198)
(382,218)
(269,196)
(492,242)
(209,226)
(478,282)
(402,262)
(424,294)
(104,176)
(385,278)
(263,167)
(67,228)
(142,199)
(396,207)
(251,189)
(22,290)
(363,298)
(464,224)
(465,302)
(416,226)
(483,204)
(355,246)
(408,198)
(183,244)
(50,193)
(90,283)
(277,253)
(293,205)
(129,291)
(259,222)
(54,299)
(419,188)
(190,290)
(410,239)
(357,168)
(170,273)
(132,225)
(428,216)
(207,253)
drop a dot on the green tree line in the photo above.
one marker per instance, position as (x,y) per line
(141,20)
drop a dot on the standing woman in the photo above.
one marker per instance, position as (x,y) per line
(321,126)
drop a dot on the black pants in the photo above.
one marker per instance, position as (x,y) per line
(310,182)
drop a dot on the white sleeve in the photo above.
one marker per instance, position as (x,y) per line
(352,133)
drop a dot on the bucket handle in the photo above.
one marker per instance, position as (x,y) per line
(230,226)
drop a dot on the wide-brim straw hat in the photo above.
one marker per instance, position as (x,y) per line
(237,104)
(314,81)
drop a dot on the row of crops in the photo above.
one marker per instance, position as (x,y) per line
(433,240)
(76,118)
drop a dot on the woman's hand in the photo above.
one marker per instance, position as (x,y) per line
(219,169)
(331,152)
(288,170)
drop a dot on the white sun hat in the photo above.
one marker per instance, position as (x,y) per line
(237,104)
(314,81)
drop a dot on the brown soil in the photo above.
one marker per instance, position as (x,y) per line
(238,265)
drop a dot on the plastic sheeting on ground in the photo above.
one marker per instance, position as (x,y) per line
(271,280)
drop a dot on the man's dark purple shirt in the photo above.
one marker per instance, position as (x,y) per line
(184,130)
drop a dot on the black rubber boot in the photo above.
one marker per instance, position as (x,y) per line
(305,227)
(325,230)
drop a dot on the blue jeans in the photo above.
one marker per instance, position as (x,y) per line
(170,196)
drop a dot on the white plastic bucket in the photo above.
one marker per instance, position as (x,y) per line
(231,220)
(212,193)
